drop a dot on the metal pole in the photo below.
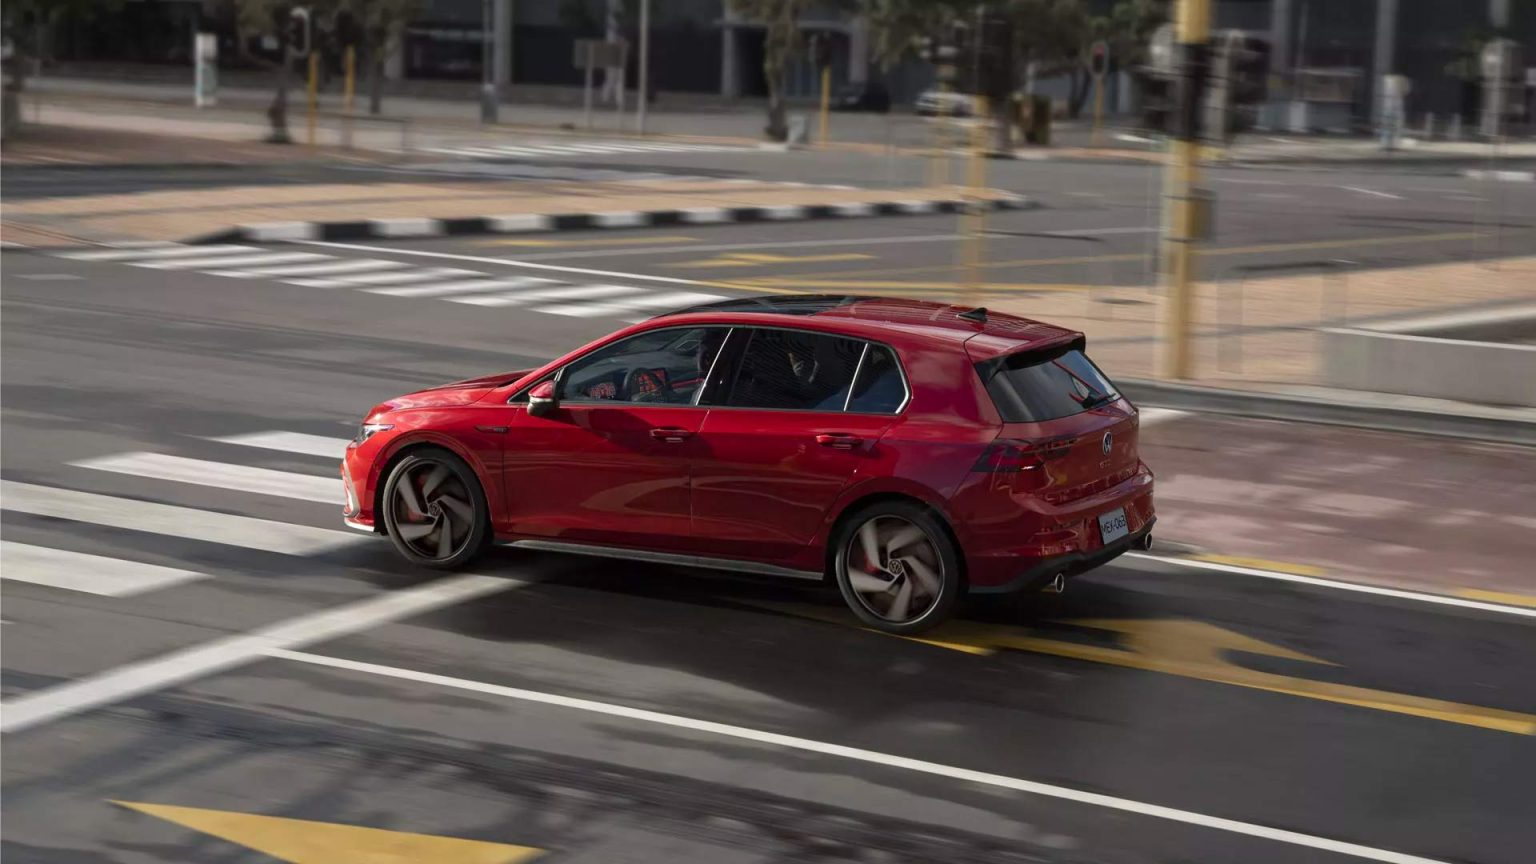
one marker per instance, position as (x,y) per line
(645,65)
(487,73)
(1182,174)
(586,94)
(1098,110)
(350,87)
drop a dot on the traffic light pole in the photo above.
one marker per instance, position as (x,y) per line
(1181,174)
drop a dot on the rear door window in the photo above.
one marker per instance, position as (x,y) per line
(879,388)
(794,370)
(1030,388)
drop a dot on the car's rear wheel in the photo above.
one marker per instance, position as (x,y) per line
(897,568)
(434,510)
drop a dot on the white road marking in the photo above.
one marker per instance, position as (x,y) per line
(92,574)
(519,297)
(136,679)
(170,520)
(221,475)
(293,442)
(238,260)
(729,247)
(856,754)
(52,277)
(1150,416)
(154,252)
(335,265)
(1319,582)
(393,277)
(483,285)
(507,262)
(1364,191)
(667,300)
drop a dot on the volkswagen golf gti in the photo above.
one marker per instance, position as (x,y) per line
(909,452)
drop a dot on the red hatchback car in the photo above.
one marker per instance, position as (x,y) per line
(908,451)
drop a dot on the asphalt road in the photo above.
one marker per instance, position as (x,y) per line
(605,711)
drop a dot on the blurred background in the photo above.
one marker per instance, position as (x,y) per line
(1300,235)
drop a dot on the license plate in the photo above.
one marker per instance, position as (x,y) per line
(1112,525)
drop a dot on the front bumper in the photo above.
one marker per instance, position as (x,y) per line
(1069,565)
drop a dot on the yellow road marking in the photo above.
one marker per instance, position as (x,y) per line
(1263,564)
(1498,597)
(1134,256)
(746,259)
(1195,649)
(301,841)
(621,241)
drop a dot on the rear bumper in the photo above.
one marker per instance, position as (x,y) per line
(1043,570)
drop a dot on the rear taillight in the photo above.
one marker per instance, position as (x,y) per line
(1013,456)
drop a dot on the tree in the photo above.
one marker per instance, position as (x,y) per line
(25,26)
(781,18)
(895,25)
(382,24)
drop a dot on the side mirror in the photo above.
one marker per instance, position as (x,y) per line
(541,399)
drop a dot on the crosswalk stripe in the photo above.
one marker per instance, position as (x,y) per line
(421,274)
(92,574)
(229,261)
(671,299)
(221,475)
(289,442)
(153,252)
(517,298)
(468,286)
(170,520)
(335,265)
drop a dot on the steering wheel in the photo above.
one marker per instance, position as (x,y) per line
(645,382)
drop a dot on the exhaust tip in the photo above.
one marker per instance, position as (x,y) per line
(1057,584)
(1145,543)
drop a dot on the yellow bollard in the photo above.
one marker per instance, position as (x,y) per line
(350,88)
(314,93)
(826,102)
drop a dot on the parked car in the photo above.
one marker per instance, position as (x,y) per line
(862,96)
(934,102)
(906,451)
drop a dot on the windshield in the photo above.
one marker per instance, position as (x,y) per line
(1028,388)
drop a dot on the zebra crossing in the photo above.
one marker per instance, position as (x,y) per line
(551,149)
(387,277)
(109,576)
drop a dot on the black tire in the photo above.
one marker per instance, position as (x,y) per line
(940,555)
(465,517)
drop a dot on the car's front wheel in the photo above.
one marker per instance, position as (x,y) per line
(434,510)
(897,567)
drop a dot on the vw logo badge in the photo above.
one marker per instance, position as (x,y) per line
(1109,443)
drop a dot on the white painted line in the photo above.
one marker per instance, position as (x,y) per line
(221,475)
(856,754)
(299,442)
(270,231)
(631,251)
(408,226)
(482,285)
(667,300)
(518,298)
(153,253)
(171,521)
(91,574)
(1318,582)
(136,679)
(230,260)
(52,277)
(1364,191)
(508,262)
(1151,416)
(423,274)
(334,265)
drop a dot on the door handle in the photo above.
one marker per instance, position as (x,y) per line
(671,434)
(839,440)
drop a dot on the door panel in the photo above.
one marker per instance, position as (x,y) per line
(614,474)
(765,478)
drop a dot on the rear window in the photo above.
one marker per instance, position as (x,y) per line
(1029,388)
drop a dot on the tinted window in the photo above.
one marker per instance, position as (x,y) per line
(794,370)
(662,366)
(1028,388)
(879,388)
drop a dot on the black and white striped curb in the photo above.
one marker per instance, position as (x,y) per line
(535,222)
(1501,176)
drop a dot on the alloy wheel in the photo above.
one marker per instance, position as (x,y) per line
(430,510)
(894,568)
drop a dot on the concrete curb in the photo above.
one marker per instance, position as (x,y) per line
(536,222)
(1282,406)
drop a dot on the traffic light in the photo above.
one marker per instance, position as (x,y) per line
(299,31)
(995,63)
(348,31)
(1098,59)
(821,50)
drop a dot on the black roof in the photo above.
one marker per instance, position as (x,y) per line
(783,304)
